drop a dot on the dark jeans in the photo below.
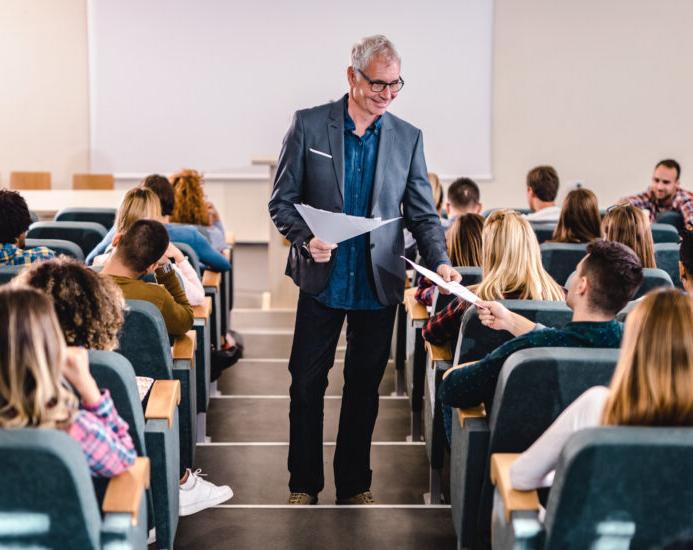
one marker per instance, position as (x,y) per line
(315,341)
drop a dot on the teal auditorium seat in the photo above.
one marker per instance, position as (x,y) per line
(59,246)
(664,233)
(144,342)
(9,272)
(153,438)
(615,487)
(104,216)
(534,387)
(85,234)
(561,259)
(544,231)
(474,341)
(672,218)
(667,258)
(192,256)
(48,500)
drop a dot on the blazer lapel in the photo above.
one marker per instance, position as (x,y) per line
(335,134)
(384,149)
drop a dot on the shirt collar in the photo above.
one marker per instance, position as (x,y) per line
(350,126)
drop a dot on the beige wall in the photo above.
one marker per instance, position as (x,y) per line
(44,103)
(601,89)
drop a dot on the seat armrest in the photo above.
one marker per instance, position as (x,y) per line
(472,412)
(124,492)
(416,311)
(211,279)
(513,500)
(438,353)
(204,310)
(163,401)
(184,346)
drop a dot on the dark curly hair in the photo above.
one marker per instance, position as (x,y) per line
(15,218)
(89,306)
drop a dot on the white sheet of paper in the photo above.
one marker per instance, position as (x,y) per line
(453,287)
(335,227)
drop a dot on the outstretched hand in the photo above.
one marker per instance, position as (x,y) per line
(449,274)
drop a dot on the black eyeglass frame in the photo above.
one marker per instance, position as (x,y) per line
(375,83)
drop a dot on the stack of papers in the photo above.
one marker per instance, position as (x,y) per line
(334,228)
(452,287)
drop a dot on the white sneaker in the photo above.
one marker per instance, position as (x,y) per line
(151,539)
(196,494)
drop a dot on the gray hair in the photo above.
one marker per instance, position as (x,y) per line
(369,47)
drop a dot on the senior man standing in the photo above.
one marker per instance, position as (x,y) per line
(350,156)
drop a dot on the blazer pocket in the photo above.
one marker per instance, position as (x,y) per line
(320,153)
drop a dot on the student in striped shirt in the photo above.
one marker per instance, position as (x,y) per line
(40,378)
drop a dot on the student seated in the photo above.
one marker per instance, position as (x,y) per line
(89,309)
(627,224)
(652,385)
(511,263)
(178,233)
(14,222)
(686,261)
(604,281)
(191,207)
(35,365)
(665,194)
(143,249)
(141,203)
(463,198)
(438,193)
(464,249)
(542,188)
(580,220)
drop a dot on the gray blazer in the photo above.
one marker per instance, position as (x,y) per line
(400,188)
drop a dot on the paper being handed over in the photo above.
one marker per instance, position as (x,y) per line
(453,287)
(332,227)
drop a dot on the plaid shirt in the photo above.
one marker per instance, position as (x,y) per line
(682,203)
(104,438)
(10,254)
(425,291)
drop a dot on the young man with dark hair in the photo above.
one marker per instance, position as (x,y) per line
(542,188)
(665,194)
(463,198)
(603,283)
(686,261)
(14,222)
(143,249)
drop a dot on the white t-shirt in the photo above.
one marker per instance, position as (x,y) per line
(536,466)
(548,214)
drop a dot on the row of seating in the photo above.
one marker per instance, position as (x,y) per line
(43,180)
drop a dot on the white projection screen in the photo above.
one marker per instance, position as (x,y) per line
(212,84)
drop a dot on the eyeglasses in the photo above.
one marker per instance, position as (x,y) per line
(379,86)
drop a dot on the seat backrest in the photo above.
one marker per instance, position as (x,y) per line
(144,341)
(627,485)
(673,218)
(30,180)
(664,233)
(544,231)
(9,272)
(475,340)
(104,216)
(653,278)
(667,258)
(621,316)
(58,246)
(192,256)
(93,181)
(47,498)
(85,234)
(561,259)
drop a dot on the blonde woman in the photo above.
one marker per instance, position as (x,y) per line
(511,263)
(652,385)
(141,203)
(627,224)
(35,367)
(464,249)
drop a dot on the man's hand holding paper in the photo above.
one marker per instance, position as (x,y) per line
(449,287)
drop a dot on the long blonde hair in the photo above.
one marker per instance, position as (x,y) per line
(627,224)
(653,381)
(32,351)
(511,261)
(139,203)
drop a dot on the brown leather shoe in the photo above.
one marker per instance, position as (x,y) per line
(361,498)
(302,498)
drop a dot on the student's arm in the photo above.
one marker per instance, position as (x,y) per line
(194,290)
(685,207)
(175,309)
(444,325)
(496,316)
(101,247)
(534,467)
(211,258)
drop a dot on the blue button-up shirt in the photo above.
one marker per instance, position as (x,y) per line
(350,285)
